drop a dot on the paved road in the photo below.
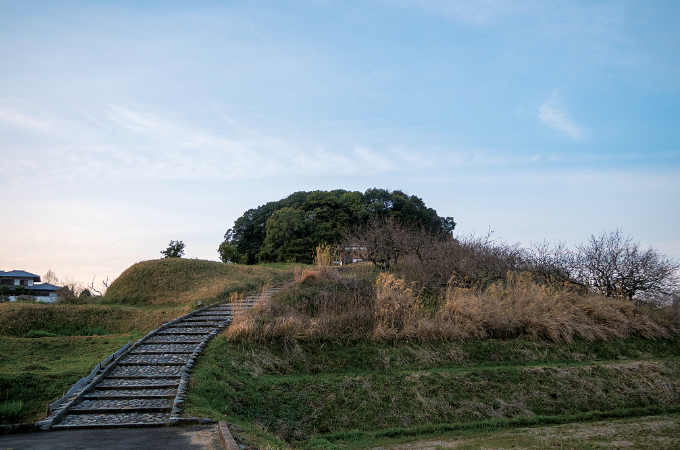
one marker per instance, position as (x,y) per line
(165,438)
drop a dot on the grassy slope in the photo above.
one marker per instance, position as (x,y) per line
(39,371)
(298,393)
(18,319)
(171,281)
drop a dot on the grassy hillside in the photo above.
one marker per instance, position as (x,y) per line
(362,393)
(359,358)
(34,372)
(29,320)
(43,348)
(173,281)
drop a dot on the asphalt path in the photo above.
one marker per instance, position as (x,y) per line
(166,438)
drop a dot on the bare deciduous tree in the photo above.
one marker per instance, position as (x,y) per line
(51,278)
(380,241)
(616,266)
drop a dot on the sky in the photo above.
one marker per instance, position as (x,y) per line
(125,125)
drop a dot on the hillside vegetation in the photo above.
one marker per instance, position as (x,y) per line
(380,307)
(175,281)
(29,320)
(356,358)
(37,371)
(45,348)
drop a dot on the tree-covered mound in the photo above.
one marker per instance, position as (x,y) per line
(290,229)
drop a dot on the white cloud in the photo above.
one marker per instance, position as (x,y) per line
(15,118)
(556,117)
(129,143)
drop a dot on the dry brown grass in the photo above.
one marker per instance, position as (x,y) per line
(301,275)
(324,255)
(340,308)
(521,307)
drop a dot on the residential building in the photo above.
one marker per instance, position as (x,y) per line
(43,292)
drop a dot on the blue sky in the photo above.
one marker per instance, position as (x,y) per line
(124,125)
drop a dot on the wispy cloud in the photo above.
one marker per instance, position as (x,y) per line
(133,143)
(556,117)
(14,118)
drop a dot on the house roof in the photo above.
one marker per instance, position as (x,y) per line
(45,287)
(39,287)
(19,274)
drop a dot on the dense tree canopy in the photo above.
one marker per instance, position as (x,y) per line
(291,228)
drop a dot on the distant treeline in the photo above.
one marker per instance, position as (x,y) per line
(290,229)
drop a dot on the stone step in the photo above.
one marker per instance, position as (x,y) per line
(165,371)
(231,308)
(202,323)
(186,330)
(177,339)
(155,360)
(164,349)
(130,420)
(140,383)
(122,405)
(210,318)
(112,394)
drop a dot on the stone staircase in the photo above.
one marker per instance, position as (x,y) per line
(145,385)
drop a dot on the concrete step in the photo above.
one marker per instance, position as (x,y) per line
(146,394)
(199,324)
(155,360)
(141,383)
(122,405)
(177,339)
(130,420)
(164,349)
(186,330)
(208,318)
(166,371)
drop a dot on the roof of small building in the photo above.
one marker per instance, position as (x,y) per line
(19,274)
(46,287)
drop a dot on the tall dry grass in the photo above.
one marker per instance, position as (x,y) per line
(389,310)
(521,307)
(324,255)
